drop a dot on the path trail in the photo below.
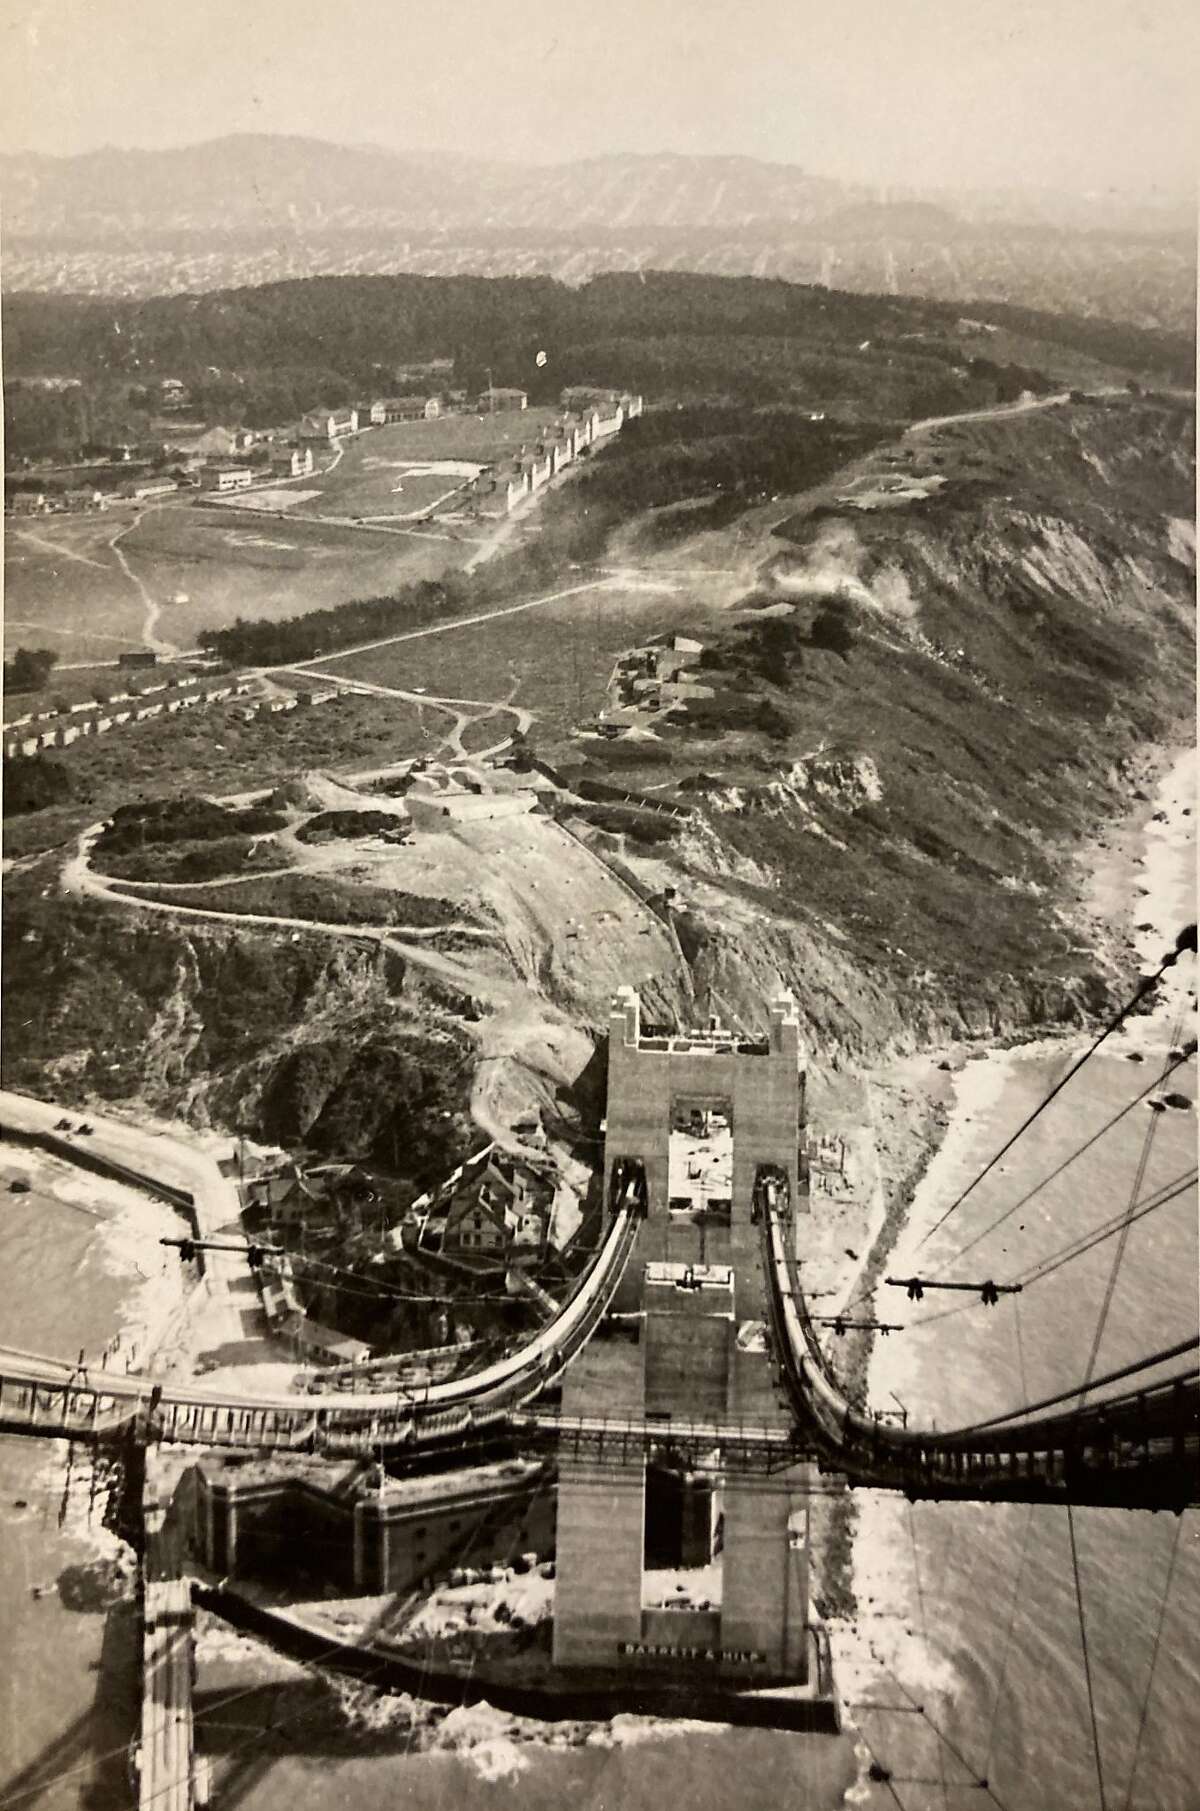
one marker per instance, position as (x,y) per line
(153,609)
(59,549)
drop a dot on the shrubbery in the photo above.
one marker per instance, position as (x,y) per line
(33,782)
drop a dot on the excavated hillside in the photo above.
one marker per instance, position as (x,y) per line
(941,676)
(946,676)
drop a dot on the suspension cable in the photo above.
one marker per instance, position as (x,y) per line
(1087,1663)
(1076,1248)
(912,1536)
(1162,1614)
(1146,988)
(1086,1242)
(1008,1635)
(1048,1402)
(1027,1197)
(1123,1239)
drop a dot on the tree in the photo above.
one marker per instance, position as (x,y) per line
(832,630)
(29,669)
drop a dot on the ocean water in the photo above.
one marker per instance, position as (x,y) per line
(972,1610)
(69,1684)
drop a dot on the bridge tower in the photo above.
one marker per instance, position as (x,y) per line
(703,1112)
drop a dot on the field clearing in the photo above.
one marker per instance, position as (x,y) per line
(376,478)
(555,661)
(481,439)
(67,590)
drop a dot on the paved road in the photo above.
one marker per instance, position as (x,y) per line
(232,1286)
(1000,412)
(460,622)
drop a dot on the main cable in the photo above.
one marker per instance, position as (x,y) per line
(1027,1197)
(1049,1402)
(1147,987)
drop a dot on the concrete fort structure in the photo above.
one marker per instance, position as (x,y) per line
(702,1573)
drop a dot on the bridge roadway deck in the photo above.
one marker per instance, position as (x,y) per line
(1140,1448)
(166,1750)
(44,1396)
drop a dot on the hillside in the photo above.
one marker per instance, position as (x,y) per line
(928,685)
(261,355)
(254,209)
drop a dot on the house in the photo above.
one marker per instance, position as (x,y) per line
(153,487)
(28,503)
(430,367)
(283,1199)
(499,1207)
(499,398)
(325,1345)
(584,397)
(88,497)
(138,657)
(226,477)
(219,442)
(616,722)
(293,462)
(430,808)
(406,408)
(328,425)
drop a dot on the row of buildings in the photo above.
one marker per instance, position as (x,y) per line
(222,460)
(327,426)
(658,677)
(32,734)
(563,440)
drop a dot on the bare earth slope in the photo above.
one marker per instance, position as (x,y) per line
(924,687)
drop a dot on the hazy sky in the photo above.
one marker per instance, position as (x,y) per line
(1085,94)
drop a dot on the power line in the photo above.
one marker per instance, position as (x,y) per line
(1147,987)
(1162,1613)
(1087,1663)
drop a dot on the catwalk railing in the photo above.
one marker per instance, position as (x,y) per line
(1138,1448)
(43,1396)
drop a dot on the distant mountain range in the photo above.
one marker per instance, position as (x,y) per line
(252,209)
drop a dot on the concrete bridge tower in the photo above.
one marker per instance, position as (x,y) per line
(703,1112)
